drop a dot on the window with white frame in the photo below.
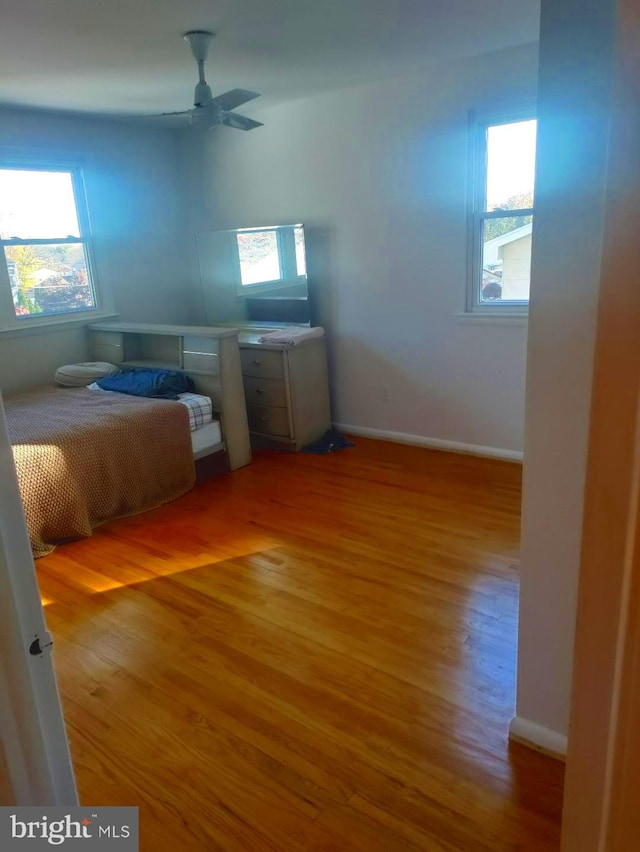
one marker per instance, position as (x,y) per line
(44,235)
(502,210)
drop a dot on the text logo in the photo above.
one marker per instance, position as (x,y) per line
(32,828)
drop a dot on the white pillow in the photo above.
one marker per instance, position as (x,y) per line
(81,375)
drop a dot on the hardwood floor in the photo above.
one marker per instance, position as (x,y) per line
(311,653)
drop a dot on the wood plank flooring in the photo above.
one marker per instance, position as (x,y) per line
(311,653)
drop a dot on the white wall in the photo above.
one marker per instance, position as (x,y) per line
(135,204)
(573,111)
(378,174)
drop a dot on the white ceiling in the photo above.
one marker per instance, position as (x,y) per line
(127,57)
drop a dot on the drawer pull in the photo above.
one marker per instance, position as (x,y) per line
(259,390)
(257,363)
(263,419)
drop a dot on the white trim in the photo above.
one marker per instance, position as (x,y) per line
(64,323)
(505,317)
(39,763)
(537,736)
(431,443)
(622,665)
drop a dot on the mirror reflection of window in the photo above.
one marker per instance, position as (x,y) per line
(255,275)
(270,259)
(259,253)
(301,260)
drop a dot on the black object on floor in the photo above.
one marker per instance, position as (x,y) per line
(330,441)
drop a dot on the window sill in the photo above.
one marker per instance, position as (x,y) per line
(52,326)
(494,318)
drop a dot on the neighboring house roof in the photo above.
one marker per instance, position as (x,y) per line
(44,274)
(492,247)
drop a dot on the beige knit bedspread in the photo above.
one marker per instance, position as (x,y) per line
(85,457)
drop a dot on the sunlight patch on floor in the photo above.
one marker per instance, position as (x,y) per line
(145,570)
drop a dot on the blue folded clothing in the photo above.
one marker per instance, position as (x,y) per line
(157,384)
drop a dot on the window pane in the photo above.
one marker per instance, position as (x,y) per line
(506,259)
(37,205)
(259,257)
(301,260)
(511,155)
(49,279)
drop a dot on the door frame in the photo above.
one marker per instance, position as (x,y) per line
(34,746)
(603,760)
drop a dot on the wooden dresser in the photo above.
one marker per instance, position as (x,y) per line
(286,389)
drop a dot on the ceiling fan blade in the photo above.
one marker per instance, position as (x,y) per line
(240,122)
(234,98)
(181,112)
(203,118)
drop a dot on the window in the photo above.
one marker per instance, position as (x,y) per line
(502,213)
(44,238)
(270,258)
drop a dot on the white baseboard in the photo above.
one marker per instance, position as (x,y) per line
(538,737)
(431,443)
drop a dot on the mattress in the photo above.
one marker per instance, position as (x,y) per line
(206,437)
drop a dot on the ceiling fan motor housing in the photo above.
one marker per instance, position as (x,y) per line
(202,95)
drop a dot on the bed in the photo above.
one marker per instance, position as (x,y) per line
(84,457)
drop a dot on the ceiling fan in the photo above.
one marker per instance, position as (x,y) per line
(209,112)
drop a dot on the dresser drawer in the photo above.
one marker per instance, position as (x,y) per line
(270,392)
(269,421)
(107,346)
(262,362)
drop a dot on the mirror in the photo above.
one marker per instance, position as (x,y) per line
(254,276)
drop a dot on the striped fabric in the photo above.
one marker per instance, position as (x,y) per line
(199,407)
